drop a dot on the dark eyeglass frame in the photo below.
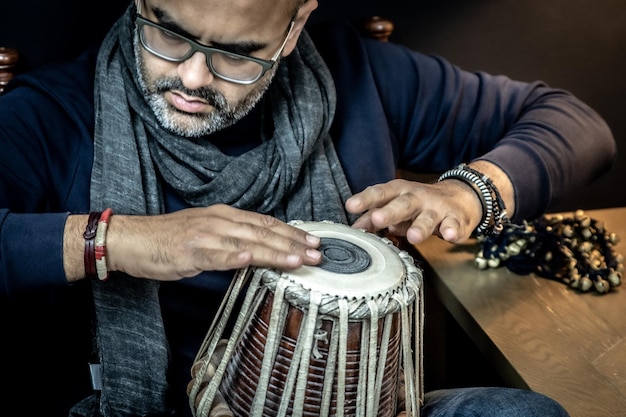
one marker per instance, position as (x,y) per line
(208,51)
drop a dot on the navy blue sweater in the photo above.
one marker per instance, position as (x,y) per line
(397,109)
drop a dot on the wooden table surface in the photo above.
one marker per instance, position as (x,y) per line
(539,333)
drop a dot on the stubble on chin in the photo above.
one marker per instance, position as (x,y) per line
(195,125)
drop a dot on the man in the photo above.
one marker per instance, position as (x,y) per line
(206,125)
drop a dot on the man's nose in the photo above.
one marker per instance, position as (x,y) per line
(194,72)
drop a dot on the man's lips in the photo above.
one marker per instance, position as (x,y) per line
(187,104)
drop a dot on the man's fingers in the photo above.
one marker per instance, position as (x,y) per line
(262,226)
(375,196)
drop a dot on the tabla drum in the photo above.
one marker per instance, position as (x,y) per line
(342,338)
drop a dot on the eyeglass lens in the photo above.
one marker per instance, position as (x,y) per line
(172,46)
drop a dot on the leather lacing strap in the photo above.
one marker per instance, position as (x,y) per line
(90,245)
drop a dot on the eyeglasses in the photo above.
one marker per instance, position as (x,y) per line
(229,66)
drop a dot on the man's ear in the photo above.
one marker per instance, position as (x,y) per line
(301,18)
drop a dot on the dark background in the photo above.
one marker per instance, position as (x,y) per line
(578,45)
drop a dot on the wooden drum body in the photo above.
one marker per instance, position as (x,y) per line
(336,339)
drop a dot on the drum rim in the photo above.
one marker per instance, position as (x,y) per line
(386,273)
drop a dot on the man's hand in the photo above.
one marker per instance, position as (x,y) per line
(417,210)
(184,243)
(449,209)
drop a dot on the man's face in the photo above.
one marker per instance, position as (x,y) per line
(186,97)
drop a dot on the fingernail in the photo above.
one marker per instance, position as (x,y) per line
(313,239)
(312,253)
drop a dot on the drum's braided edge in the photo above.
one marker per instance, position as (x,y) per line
(358,308)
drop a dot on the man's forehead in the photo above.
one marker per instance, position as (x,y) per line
(216,21)
(251,10)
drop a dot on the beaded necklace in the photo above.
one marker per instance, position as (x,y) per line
(577,251)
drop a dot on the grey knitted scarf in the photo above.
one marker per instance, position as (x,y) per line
(293,174)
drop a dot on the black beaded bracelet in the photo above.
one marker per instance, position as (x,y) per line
(482,191)
(494,211)
(500,216)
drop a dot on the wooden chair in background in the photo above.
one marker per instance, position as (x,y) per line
(8,64)
(376,27)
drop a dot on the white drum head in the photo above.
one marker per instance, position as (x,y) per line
(356,263)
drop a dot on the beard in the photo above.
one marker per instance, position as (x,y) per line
(195,125)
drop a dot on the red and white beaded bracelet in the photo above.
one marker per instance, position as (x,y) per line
(100,241)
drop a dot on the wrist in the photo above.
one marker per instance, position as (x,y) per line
(494,215)
(74,247)
(124,247)
(94,254)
